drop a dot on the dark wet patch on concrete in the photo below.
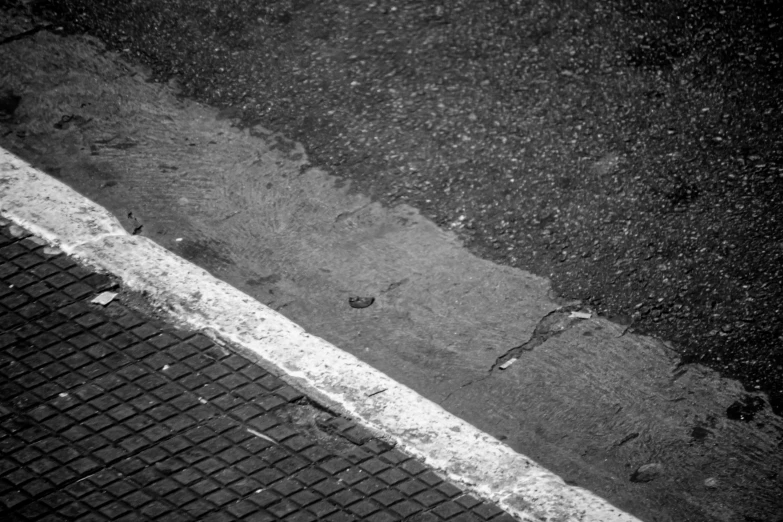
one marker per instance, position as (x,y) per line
(700,433)
(264,281)
(9,102)
(206,253)
(745,409)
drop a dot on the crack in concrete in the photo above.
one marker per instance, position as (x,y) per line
(25,34)
(551,325)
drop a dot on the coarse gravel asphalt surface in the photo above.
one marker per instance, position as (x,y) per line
(628,150)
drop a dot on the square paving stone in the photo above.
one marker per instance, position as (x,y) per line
(264,498)
(233,455)
(198,508)
(245,486)
(77,290)
(267,476)
(411,487)
(388,497)
(414,467)
(468,501)
(429,498)
(283,508)
(180,497)
(204,487)
(155,509)
(291,465)
(394,456)
(315,454)
(369,486)
(241,508)
(392,476)
(221,497)
(340,516)
(406,508)
(466,517)
(115,510)
(487,510)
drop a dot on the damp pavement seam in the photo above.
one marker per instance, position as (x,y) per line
(189,294)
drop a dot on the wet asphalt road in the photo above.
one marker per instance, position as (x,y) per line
(628,150)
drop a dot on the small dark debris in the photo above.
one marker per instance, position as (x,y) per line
(360,302)
(137,225)
(647,473)
(68,119)
(64,122)
(264,281)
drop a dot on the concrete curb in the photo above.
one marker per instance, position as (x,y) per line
(464,454)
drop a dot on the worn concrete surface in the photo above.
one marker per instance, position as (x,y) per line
(597,405)
(244,205)
(588,403)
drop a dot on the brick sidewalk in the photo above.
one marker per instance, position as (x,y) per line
(108,414)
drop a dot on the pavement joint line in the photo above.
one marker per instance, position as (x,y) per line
(188,294)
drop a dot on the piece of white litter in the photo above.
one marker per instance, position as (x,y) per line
(580,315)
(104,298)
(508,363)
(165,367)
(257,434)
(178,239)
(202,400)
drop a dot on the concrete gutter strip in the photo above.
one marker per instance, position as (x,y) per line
(50,209)
(62,217)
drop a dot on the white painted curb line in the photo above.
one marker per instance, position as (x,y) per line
(469,457)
